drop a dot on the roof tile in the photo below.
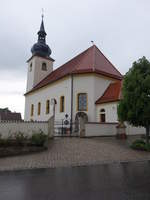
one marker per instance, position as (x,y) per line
(89,61)
(111,94)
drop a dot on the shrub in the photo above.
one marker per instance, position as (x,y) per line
(39,139)
(139,141)
(20,138)
(4,142)
(140,145)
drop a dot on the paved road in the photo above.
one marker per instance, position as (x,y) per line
(128,181)
(67,152)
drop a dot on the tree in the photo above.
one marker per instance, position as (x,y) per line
(135,104)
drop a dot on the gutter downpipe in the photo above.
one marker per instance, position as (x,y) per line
(71,114)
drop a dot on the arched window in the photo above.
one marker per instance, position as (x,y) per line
(32,110)
(30,67)
(82,102)
(44,67)
(62,104)
(39,108)
(47,107)
(102,110)
(102,116)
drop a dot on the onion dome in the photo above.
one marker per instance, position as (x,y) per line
(41,48)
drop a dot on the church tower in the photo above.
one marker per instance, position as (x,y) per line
(40,64)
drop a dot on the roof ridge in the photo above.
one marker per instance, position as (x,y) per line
(112,96)
(120,93)
(64,65)
(108,60)
(103,93)
(94,59)
(91,60)
(75,57)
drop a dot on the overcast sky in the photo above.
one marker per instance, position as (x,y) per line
(120,29)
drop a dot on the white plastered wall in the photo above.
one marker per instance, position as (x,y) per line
(37,74)
(92,84)
(84,84)
(54,90)
(101,84)
(110,111)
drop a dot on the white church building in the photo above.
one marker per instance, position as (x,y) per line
(87,85)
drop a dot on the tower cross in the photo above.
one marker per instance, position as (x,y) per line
(92,42)
(42,13)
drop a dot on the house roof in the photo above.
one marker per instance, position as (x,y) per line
(6,114)
(91,60)
(111,94)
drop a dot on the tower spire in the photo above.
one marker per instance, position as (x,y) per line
(42,13)
(41,33)
(41,48)
(42,29)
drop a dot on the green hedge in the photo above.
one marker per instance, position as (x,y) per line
(140,145)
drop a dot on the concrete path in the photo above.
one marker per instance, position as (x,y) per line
(128,181)
(65,152)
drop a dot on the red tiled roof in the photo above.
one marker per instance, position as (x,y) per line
(7,115)
(90,61)
(111,94)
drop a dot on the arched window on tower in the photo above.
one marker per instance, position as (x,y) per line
(44,67)
(102,116)
(30,67)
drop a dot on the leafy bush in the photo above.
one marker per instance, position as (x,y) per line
(39,139)
(140,145)
(20,138)
(139,141)
(4,142)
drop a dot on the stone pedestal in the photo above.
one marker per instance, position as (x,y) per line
(81,127)
(51,128)
(121,131)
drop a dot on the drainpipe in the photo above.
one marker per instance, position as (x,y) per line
(71,114)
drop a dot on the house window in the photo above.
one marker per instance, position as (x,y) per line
(39,108)
(47,107)
(30,67)
(62,104)
(82,102)
(44,67)
(102,116)
(32,110)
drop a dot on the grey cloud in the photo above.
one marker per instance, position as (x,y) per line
(7,93)
(119,28)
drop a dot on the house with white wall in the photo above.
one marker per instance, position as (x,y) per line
(88,85)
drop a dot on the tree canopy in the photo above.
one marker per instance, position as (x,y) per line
(135,104)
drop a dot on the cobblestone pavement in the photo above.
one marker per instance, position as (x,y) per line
(64,152)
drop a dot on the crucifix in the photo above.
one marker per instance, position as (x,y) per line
(42,13)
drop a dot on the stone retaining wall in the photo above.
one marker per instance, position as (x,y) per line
(93,129)
(100,129)
(8,128)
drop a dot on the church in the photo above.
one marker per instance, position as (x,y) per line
(88,85)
